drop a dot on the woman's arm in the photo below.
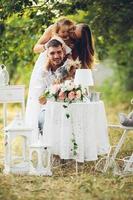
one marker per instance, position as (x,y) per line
(39,46)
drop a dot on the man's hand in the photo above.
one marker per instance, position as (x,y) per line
(42,100)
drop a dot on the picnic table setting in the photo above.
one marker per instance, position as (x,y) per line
(76,128)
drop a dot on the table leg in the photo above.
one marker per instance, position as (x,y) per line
(8,154)
(24,148)
(23,109)
(5,114)
(76,167)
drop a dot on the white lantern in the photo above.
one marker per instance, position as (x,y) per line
(17,164)
(43,165)
(84,78)
(4,76)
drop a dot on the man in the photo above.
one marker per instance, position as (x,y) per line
(55,54)
(55,58)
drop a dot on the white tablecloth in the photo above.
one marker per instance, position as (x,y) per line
(88,123)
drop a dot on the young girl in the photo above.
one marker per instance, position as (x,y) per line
(62,29)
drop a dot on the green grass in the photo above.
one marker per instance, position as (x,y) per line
(65,185)
(114,94)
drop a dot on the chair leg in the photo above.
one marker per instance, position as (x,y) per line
(107,161)
(128,166)
(117,149)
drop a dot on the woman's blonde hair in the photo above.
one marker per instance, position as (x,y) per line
(63,22)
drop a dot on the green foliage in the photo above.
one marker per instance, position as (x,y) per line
(113,93)
(22,22)
(17,45)
(10,7)
(20,30)
(112,24)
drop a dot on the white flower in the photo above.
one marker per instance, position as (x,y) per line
(54,88)
(63,88)
(69,85)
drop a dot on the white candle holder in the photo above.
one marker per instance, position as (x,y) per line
(17,164)
(84,78)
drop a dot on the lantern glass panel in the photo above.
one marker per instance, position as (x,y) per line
(34,159)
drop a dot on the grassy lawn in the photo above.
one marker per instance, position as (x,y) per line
(64,184)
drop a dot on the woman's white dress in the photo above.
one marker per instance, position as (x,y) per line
(36,87)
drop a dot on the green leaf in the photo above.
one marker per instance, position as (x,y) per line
(74,153)
(64,106)
(67,115)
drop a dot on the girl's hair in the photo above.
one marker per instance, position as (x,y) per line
(63,22)
(85,47)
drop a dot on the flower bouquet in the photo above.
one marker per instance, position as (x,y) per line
(64,92)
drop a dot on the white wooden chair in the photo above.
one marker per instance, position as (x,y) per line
(109,161)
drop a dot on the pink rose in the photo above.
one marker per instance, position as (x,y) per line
(71,95)
(54,88)
(78,94)
(61,95)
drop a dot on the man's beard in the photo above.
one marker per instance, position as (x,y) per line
(55,66)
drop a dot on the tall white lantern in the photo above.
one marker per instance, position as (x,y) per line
(14,163)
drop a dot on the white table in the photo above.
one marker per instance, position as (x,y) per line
(87,122)
(11,94)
